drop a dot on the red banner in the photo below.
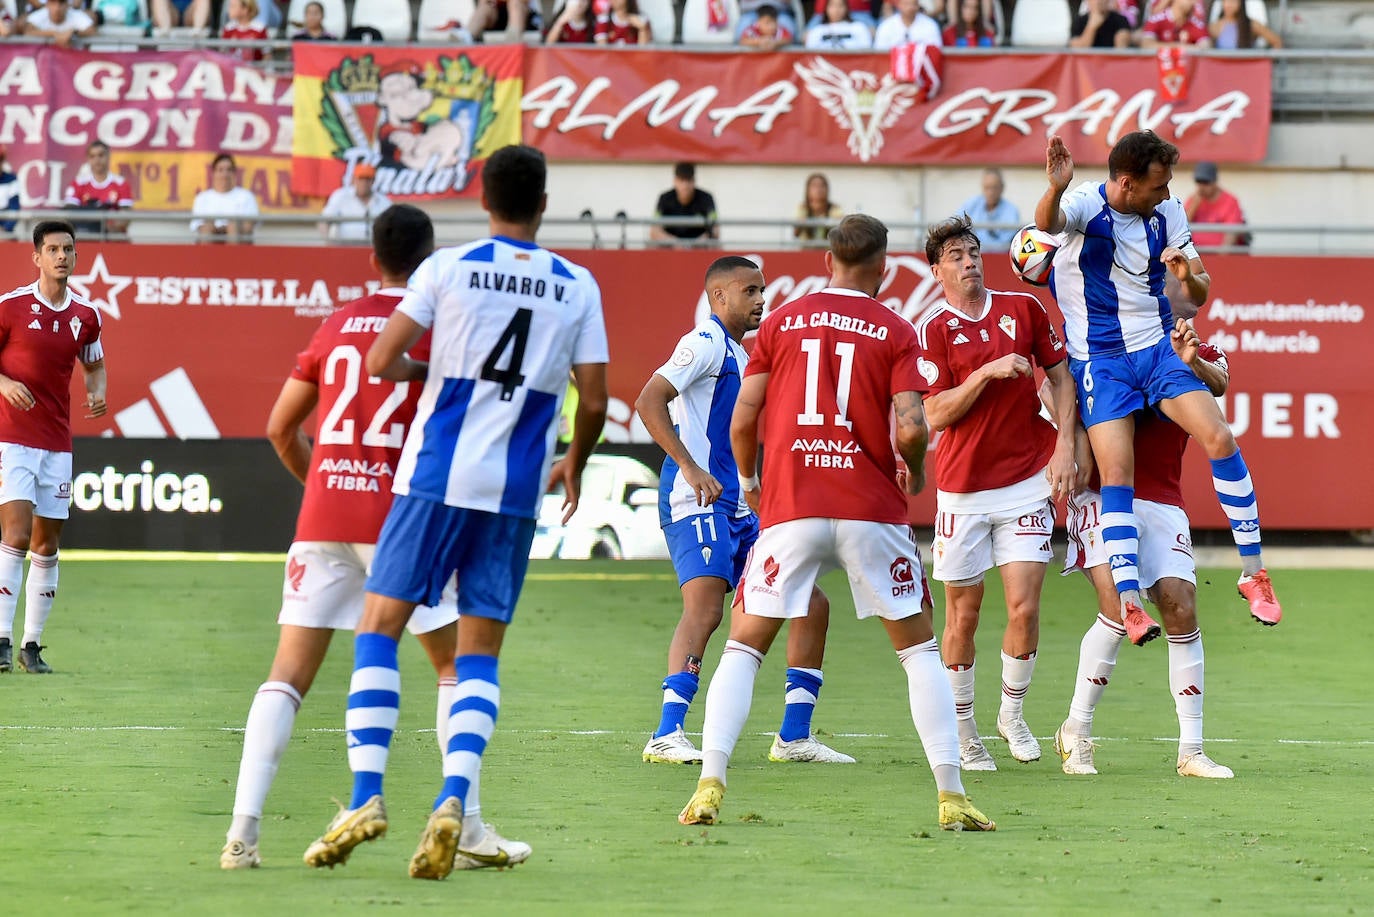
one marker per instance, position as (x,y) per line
(802,107)
(198,347)
(165,115)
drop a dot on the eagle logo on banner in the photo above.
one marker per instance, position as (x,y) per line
(860,101)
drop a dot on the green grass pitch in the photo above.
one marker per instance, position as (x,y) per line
(118,771)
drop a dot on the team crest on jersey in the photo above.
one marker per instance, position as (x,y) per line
(953,323)
(983,335)
(295,573)
(56,325)
(706,554)
(683,357)
(36,308)
(1008,326)
(75,325)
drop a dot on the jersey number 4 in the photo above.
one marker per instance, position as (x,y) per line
(345,368)
(810,416)
(515,337)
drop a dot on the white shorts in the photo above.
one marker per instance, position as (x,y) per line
(881,558)
(1166,545)
(38,476)
(967,545)
(324,588)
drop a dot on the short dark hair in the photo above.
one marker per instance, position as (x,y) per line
(47,228)
(1134,153)
(687,171)
(956,227)
(226,158)
(858,240)
(97,145)
(727,265)
(402,237)
(513,181)
(767,11)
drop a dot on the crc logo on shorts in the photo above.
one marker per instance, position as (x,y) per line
(1036,523)
(1183,544)
(771,569)
(64,490)
(903,577)
(295,572)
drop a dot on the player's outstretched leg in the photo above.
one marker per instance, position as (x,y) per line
(374,700)
(1236,492)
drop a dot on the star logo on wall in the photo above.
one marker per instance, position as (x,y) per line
(101,288)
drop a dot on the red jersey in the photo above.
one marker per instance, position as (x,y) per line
(1162,28)
(362,424)
(617,31)
(110,194)
(1159,447)
(255,30)
(1224,208)
(40,344)
(574,34)
(835,360)
(1003,439)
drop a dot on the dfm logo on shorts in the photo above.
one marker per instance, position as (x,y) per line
(903,577)
(1037,521)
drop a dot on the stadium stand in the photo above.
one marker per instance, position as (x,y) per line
(335,15)
(392,19)
(1040,24)
(696,29)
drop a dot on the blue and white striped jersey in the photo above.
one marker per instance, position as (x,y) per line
(509,320)
(705,368)
(1107,276)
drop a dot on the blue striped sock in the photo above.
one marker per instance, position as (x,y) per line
(1236,492)
(1121,537)
(678,692)
(374,701)
(803,688)
(476,701)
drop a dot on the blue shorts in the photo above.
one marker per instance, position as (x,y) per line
(711,544)
(424,542)
(1110,388)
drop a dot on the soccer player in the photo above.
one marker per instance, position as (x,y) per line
(45,330)
(1166,571)
(826,374)
(1123,236)
(999,467)
(509,321)
(709,527)
(358,437)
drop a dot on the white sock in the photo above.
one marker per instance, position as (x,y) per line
(265,736)
(1016,679)
(442,705)
(961,683)
(11,581)
(932,711)
(728,699)
(39,592)
(1185,681)
(1096,661)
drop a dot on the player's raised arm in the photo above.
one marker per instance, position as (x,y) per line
(911,437)
(1190,273)
(1059,170)
(387,359)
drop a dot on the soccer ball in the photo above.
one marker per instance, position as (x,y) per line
(1032,255)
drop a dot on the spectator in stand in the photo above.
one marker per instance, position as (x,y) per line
(840,29)
(9,189)
(1234,29)
(992,207)
(858,11)
(116,12)
(358,201)
(221,211)
(512,17)
(971,29)
(170,14)
(573,24)
(58,23)
(909,25)
(97,188)
(749,13)
(817,205)
(1181,23)
(1102,26)
(1210,204)
(685,199)
(312,29)
(767,33)
(621,24)
(244,24)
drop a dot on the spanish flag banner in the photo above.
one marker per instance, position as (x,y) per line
(424,118)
